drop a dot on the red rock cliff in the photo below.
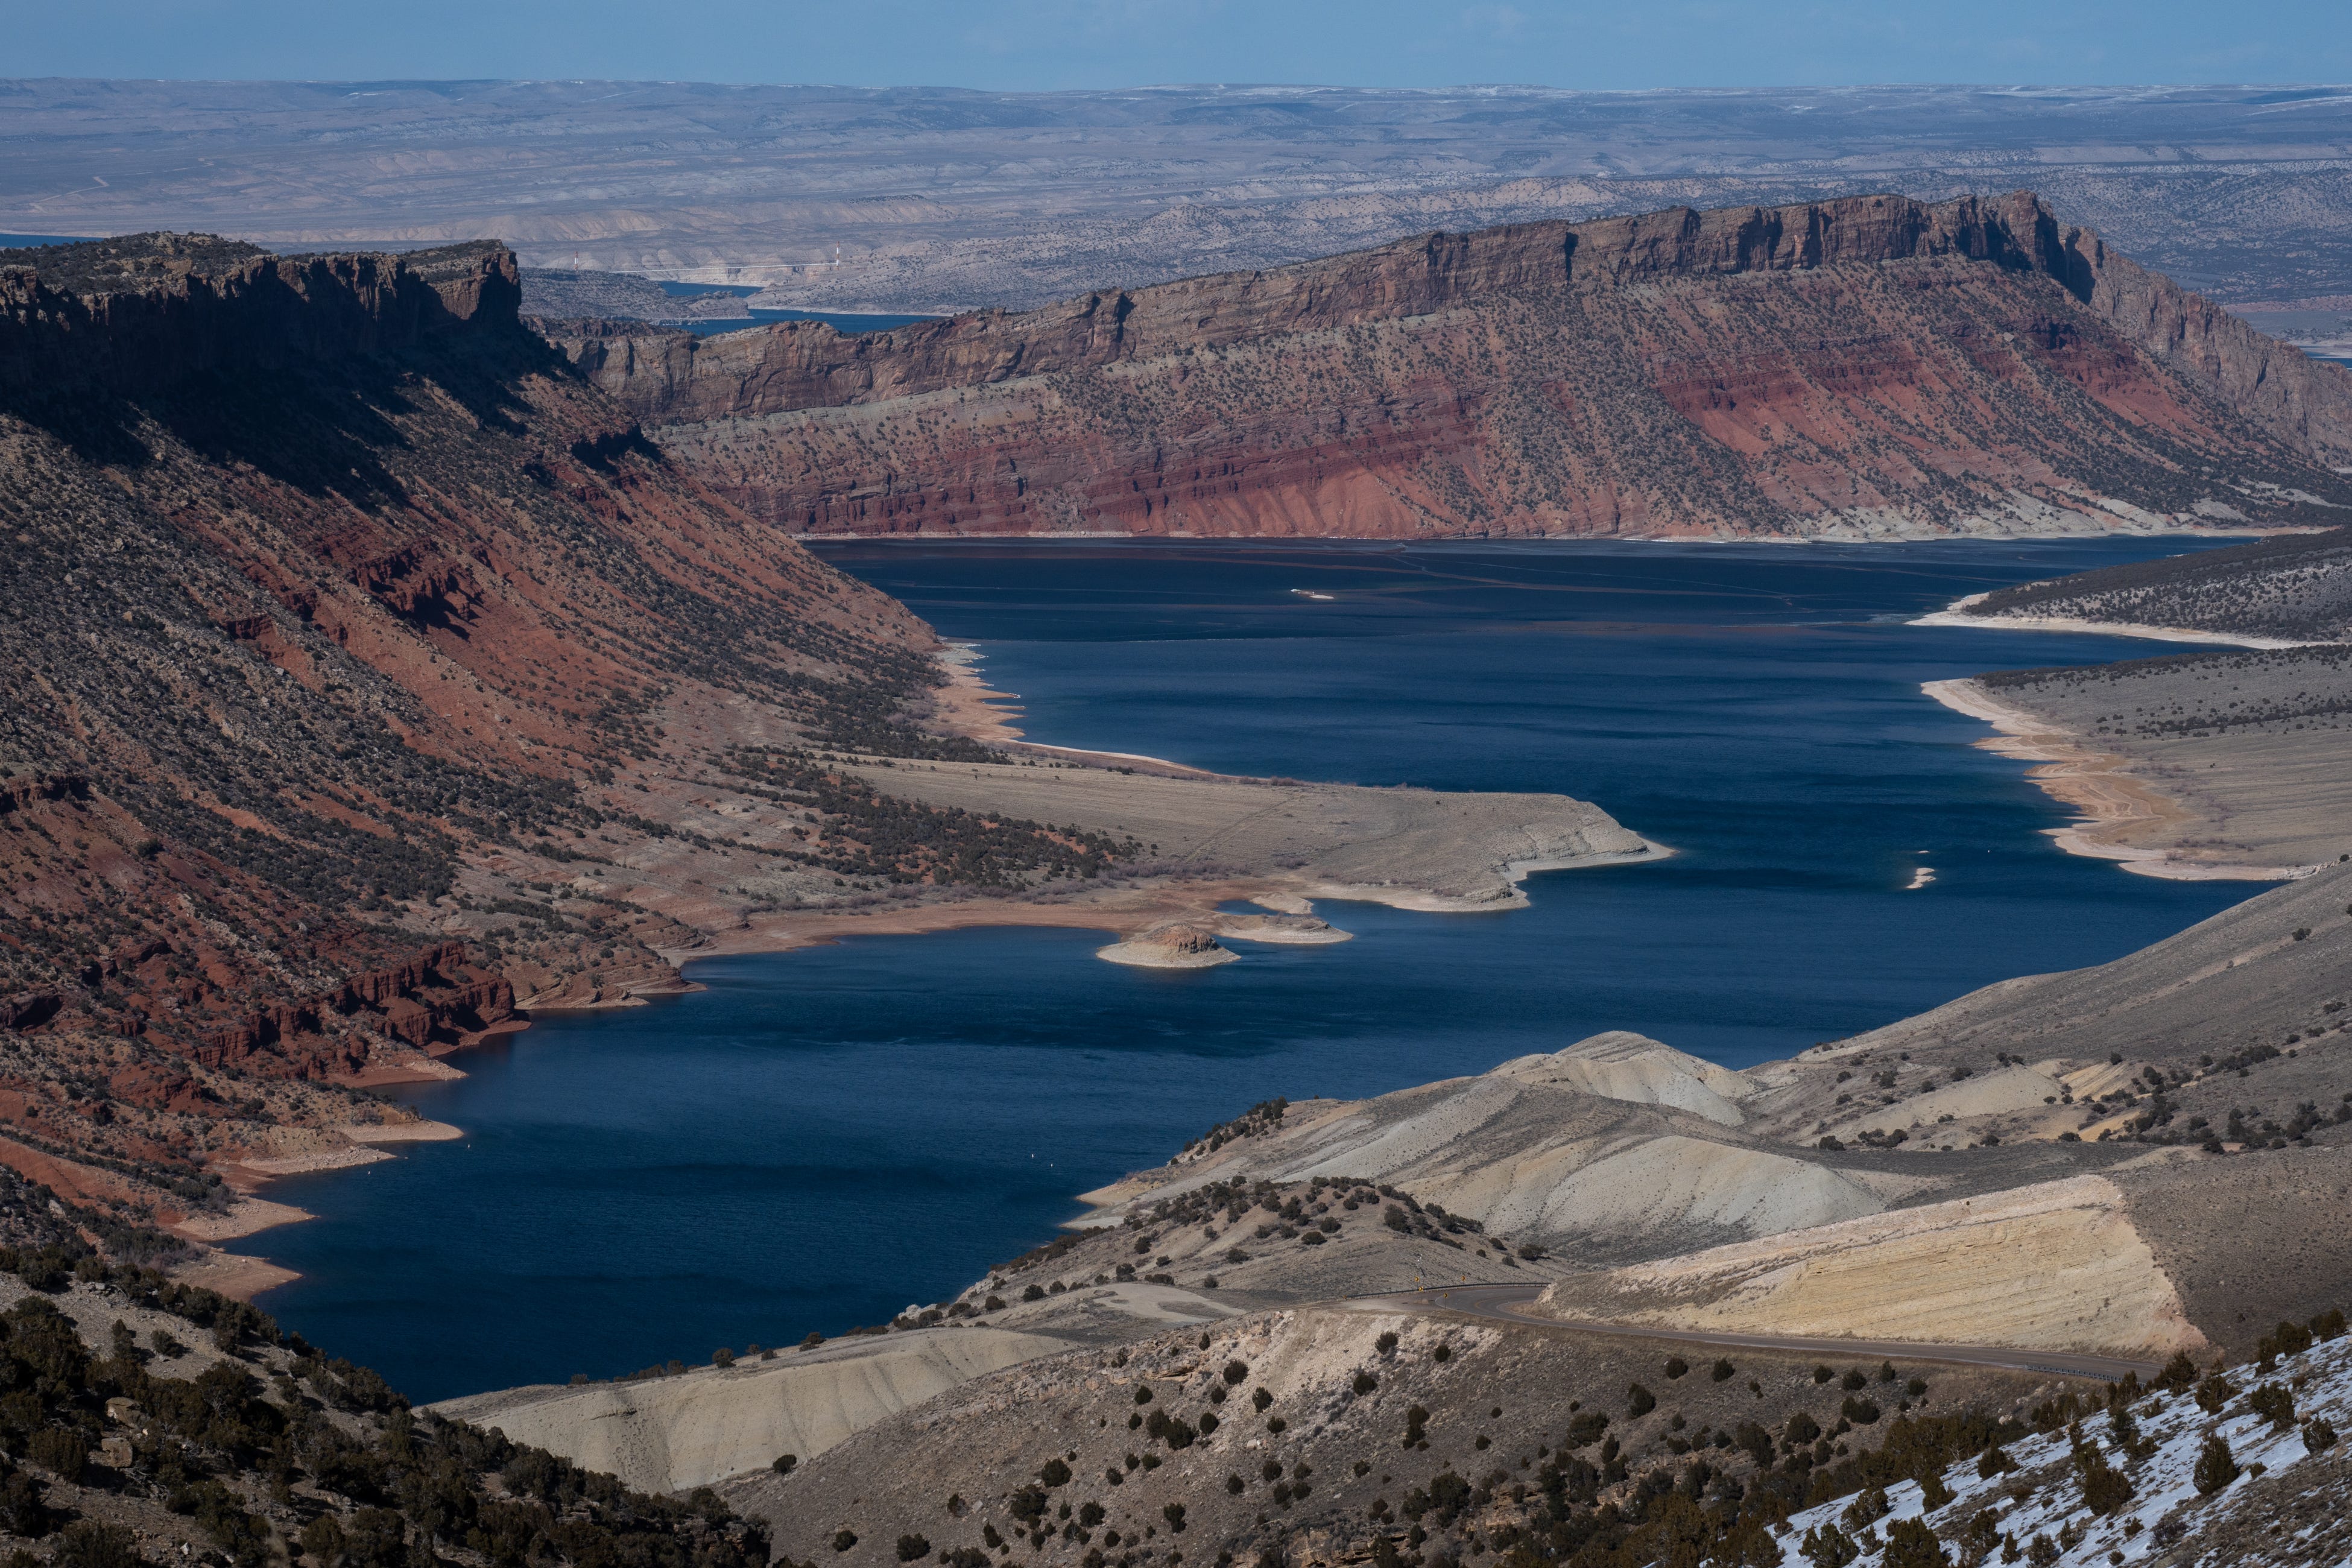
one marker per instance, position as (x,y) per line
(1871,362)
(340,621)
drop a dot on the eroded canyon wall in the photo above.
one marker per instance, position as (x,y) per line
(1865,365)
(335,612)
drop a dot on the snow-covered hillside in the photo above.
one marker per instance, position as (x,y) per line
(2246,1469)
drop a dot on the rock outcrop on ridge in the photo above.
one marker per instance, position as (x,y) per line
(1856,367)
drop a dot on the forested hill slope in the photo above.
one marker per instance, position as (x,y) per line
(337,611)
(1860,367)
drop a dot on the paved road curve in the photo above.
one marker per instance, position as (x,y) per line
(1506,1304)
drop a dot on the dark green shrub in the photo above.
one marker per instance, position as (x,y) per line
(2274,1404)
(913,1548)
(1911,1545)
(1827,1546)
(59,1452)
(2105,1488)
(2216,1466)
(86,1544)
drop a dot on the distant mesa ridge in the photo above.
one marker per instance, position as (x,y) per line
(797,368)
(1870,365)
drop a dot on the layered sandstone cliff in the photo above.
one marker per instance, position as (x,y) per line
(1865,364)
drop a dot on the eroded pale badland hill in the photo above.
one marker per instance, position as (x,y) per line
(1616,1305)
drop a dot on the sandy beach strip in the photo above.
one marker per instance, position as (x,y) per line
(2116,804)
(400,1131)
(246,1217)
(233,1274)
(1956,615)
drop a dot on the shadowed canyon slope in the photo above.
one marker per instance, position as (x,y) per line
(1858,367)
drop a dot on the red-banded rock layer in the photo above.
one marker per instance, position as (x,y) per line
(1866,364)
(334,608)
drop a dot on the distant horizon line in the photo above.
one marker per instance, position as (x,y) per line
(1491,88)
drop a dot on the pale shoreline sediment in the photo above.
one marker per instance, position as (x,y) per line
(1956,615)
(2115,802)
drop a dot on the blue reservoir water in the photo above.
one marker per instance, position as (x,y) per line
(821,1138)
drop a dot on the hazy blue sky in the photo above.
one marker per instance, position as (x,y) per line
(1108,43)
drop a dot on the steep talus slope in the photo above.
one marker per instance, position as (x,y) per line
(1854,366)
(337,611)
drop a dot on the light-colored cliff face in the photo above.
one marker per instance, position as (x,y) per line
(2055,1265)
(1858,367)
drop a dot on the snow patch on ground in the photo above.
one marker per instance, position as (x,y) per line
(2040,1502)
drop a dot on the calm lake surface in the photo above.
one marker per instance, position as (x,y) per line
(823,1138)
